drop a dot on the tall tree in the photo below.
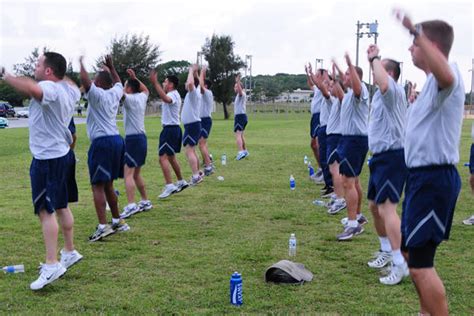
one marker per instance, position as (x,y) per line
(27,68)
(7,93)
(224,65)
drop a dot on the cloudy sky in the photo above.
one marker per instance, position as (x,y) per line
(281,35)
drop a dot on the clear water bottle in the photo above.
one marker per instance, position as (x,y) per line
(292,183)
(236,297)
(224,160)
(14,269)
(292,245)
(310,170)
(306,161)
(319,203)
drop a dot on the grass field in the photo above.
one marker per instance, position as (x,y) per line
(178,257)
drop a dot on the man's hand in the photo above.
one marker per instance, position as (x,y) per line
(105,68)
(372,51)
(348,59)
(108,61)
(153,76)
(131,73)
(404,19)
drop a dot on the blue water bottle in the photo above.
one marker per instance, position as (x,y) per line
(292,183)
(310,170)
(236,297)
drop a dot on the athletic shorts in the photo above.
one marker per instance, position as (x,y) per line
(192,133)
(471,160)
(206,125)
(240,122)
(352,151)
(72,126)
(331,150)
(135,150)
(170,140)
(388,173)
(430,198)
(106,159)
(53,182)
(314,125)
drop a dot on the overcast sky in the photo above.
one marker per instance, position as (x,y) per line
(281,35)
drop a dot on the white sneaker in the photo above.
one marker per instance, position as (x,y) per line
(196,180)
(129,210)
(397,273)
(241,155)
(381,260)
(48,275)
(69,259)
(145,205)
(317,178)
(181,185)
(168,190)
(469,221)
(337,206)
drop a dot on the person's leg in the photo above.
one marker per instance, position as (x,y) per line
(137,177)
(315,148)
(49,226)
(204,151)
(192,159)
(391,220)
(379,223)
(336,179)
(243,141)
(66,221)
(112,199)
(431,291)
(471,182)
(352,197)
(358,187)
(129,183)
(98,194)
(239,140)
(165,167)
(176,167)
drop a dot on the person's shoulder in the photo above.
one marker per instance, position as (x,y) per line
(48,84)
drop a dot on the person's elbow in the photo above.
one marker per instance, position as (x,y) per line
(446,81)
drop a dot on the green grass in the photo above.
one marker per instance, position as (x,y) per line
(178,258)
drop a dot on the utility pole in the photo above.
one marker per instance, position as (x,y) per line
(372,31)
(248,65)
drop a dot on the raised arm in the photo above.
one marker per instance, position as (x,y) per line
(158,88)
(202,77)
(309,71)
(109,63)
(142,88)
(240,91)
(337,90)
(24,85)
(336,66)
(355,80)
(84,76)
(380,74)
(190,79)
(437,63)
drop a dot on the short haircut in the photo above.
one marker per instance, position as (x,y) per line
(174,80)
(105,78)
(208,83)
(56,62)
(134,85)
(439,32)
(196,82)
(359,72)
(393,66)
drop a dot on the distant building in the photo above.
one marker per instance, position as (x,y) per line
(297,95)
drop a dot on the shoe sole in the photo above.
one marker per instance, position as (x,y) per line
(351,236)
(164,197)
(103,236)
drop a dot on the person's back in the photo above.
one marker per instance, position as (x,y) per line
(134,106)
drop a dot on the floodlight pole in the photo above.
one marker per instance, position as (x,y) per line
(318,61)
(248,65)
(373,31)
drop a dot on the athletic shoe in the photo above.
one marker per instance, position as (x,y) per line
(196,180)
(168,190)
(362,220)
(350,232)
(324,188)
(181,185)
(337,206)
(241,155)
(145,205)
(208,170)
(317,178)
(101,233)
(397,273)
(327,194)
(69,259)
(382,258)
(48,275)
(129,210)
(121,226)
(469,221)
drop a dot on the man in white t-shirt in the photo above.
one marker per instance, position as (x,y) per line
(240,118)
(134,106)
(207,102)
(53,99)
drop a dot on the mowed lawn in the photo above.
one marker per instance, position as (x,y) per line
(178,257)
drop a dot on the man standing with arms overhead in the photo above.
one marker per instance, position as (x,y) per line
(433,133)
(240,119)
(206,120)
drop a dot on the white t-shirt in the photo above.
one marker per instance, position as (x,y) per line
(102,110)
(316,101)
(170,111)
(134,107)
(49,119)
(240,104)
(207,103)
(434,123)
(192,106)
(334,126)
(325,110)
(355,113)
(387,119)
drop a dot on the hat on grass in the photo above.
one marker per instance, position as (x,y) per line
(286,271)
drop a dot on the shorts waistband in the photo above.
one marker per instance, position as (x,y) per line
(165,126)
(432,167)
(391,151)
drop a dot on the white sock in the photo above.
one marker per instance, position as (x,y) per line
(397,257)
(385,244)
(115,220)
(353,223)
(196,175)
(169,185)
(359,216)
(101,226)
(51,265)
(131,205)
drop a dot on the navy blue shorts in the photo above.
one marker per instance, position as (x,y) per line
(314,125)
(430,198)
(170,140)
(331,150)
(352,151)
(388,173)
(240,122)
(471,160)
(135,150)
(53,183)
(192,133)
(322,138)
(206,125)
(72,126)
(106,159)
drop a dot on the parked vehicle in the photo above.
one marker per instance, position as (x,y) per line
(23,113)
(3,122)
(6,110)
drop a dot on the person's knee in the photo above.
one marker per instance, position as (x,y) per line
(163,159)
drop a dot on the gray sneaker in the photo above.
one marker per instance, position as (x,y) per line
(196,180)
(145,205)
(121,226)
(68,259)
(397,273)
(129,210)
(337,206)
(350,232)
(469,221)
(362,220)
(181,185)
(101,233)
(208,170)
(381,259)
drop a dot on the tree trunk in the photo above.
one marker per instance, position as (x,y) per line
(226,114)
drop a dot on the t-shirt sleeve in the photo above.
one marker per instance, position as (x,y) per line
(117,91)
(94,94)
(364,95)
(389,97)
(50,92)
(173,97)
(143,96)
(445,93)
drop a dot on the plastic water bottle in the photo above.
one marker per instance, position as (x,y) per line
(224,159)
(14,269)
(236,297)
(368,160)
(292,183)
(319,203)
(310,170)
(306,161)
(292,245)
(467,164)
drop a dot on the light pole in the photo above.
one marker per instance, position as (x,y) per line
(248,65)
(199,58)
(472,85)
(318,61)
(401,72)
(372,31)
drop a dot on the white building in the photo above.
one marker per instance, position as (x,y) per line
(297,95)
